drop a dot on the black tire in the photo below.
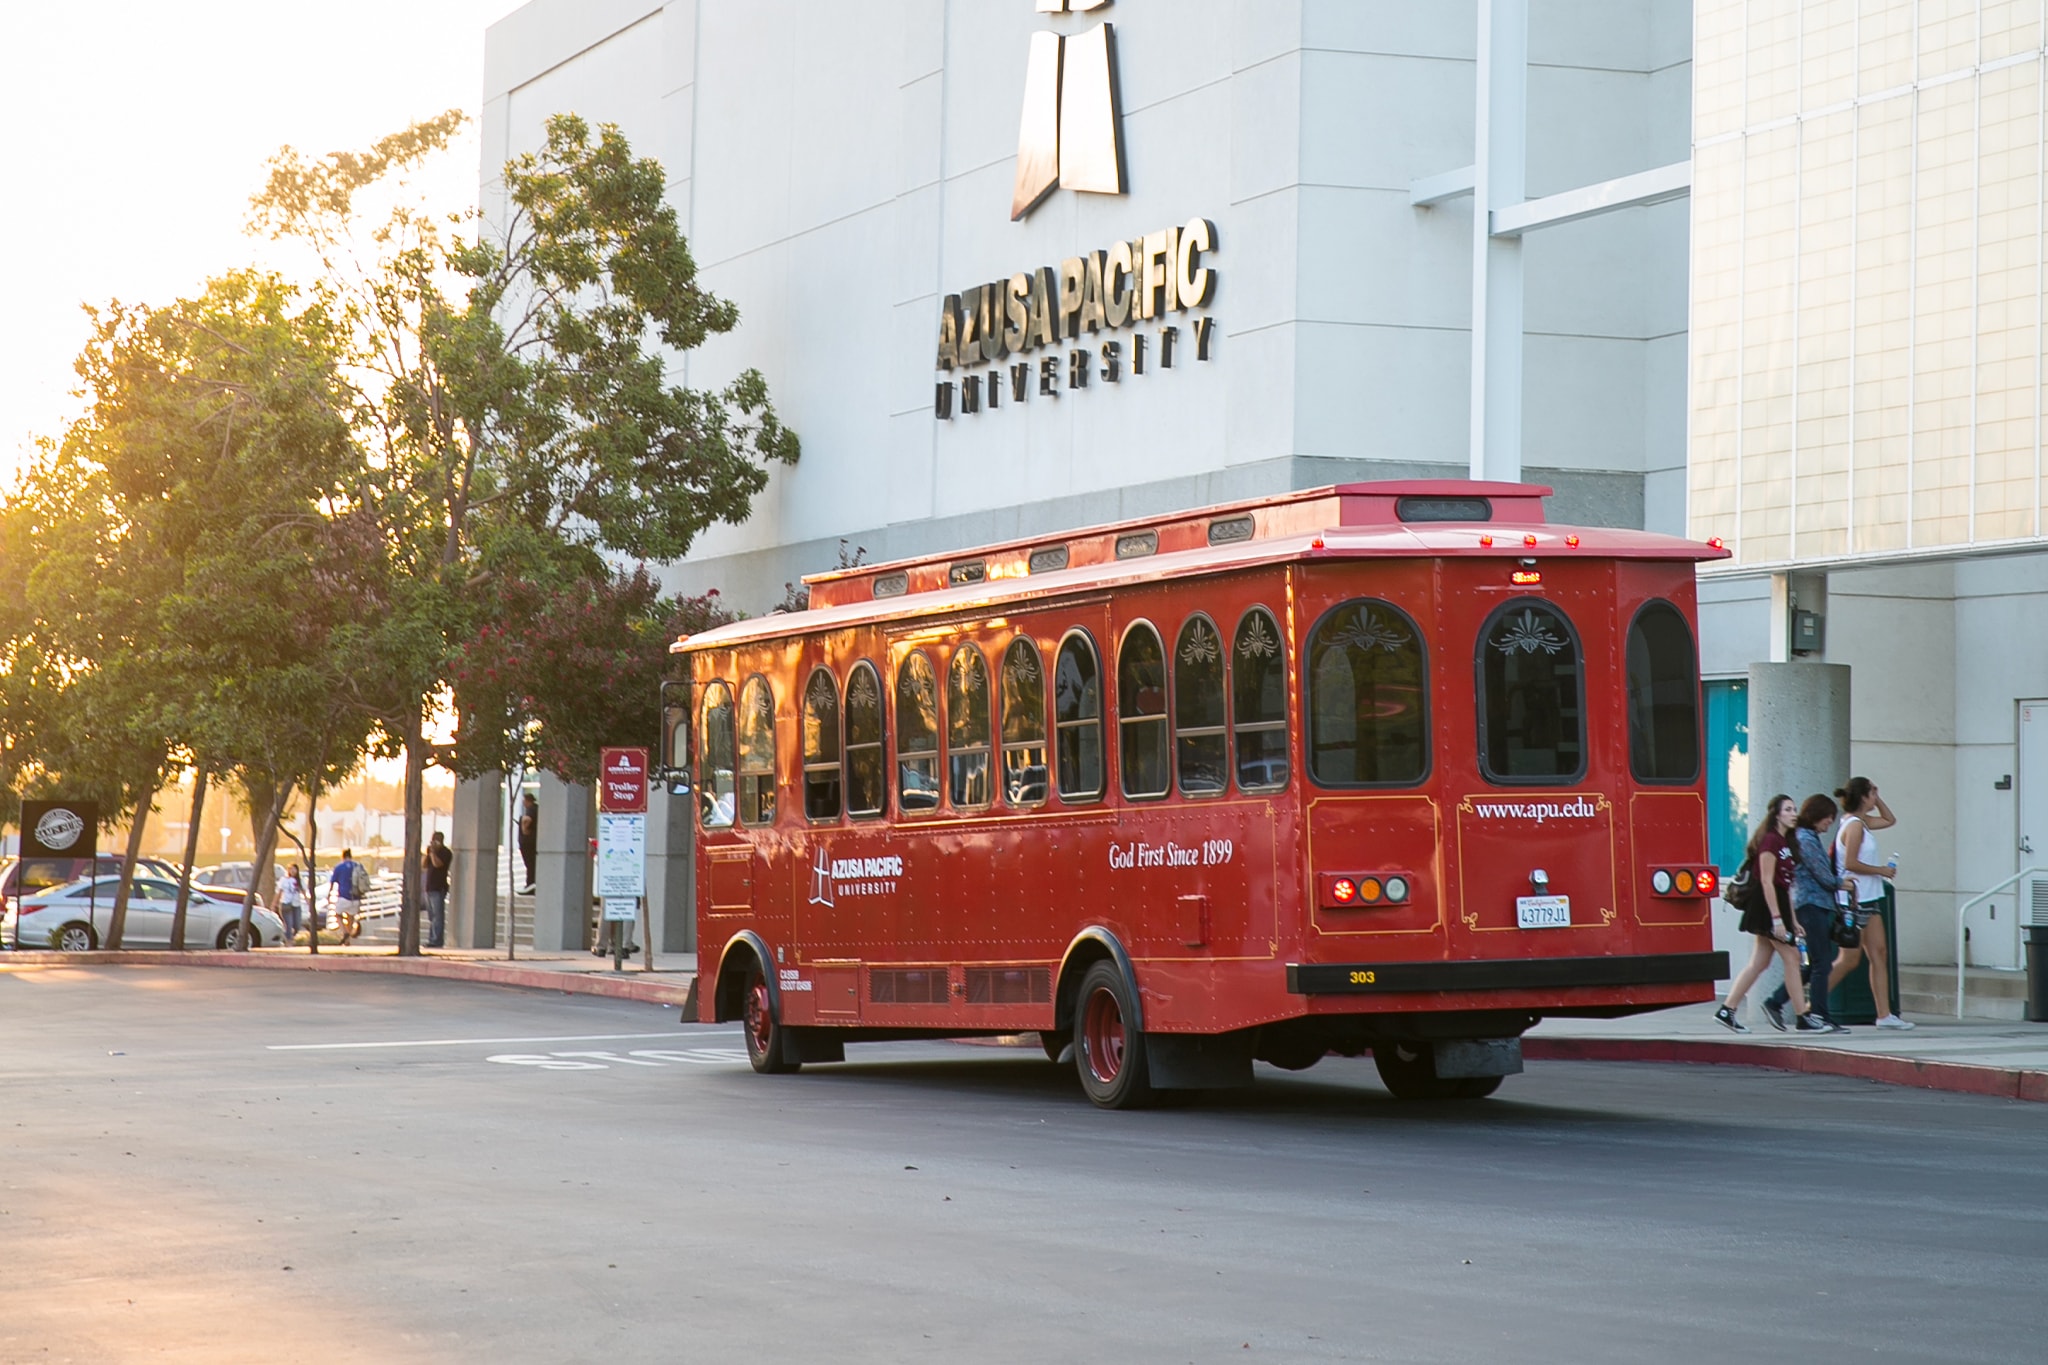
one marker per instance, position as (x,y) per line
(75,937)
(1055,1045)
(1408,1070)
(762,1029)
(1109,1051)
(1477,1087)
(231,934)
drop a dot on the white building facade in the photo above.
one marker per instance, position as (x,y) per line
(843,169)
(1866,404)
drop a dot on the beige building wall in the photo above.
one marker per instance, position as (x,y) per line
(1866,276)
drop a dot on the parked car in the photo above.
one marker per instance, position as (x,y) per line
(75,918)
(226,880)
(41,874)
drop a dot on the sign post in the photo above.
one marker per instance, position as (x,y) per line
(622,847)
(67,830)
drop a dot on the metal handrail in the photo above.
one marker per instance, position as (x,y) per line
(1961,929)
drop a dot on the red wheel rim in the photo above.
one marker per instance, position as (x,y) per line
(759,1021)
(1102,1033)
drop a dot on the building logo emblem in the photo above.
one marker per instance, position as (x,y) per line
(1071,133)
(59,829)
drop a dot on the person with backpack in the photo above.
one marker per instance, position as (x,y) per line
(348,884)
(1816,877)
(1767,915)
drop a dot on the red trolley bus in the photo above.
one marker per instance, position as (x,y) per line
(1386,767)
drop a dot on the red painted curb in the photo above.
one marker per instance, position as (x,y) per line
(662,990)
(1960,1077)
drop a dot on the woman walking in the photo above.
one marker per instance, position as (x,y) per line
(1816,876)
(1770,860)
(1863,811)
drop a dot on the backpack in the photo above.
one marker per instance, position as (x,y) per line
(1742,890)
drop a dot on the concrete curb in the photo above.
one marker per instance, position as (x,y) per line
(1960,1077)
(647,988)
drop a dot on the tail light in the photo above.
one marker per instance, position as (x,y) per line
(1363,890)
(1684,882)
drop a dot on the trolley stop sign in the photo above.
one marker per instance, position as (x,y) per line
(621,825)
(622,781)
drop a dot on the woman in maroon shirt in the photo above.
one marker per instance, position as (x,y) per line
(1775,930)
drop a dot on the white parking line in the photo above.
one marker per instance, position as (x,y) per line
(472,1042)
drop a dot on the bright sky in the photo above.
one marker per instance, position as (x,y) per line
(139,129)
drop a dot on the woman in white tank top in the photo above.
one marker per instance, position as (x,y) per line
(1864,811)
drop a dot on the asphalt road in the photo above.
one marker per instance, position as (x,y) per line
(534,1177)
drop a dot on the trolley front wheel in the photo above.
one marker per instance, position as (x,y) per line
(763,1030)
(1109,1050)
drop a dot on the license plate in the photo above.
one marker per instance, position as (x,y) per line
(1543,912)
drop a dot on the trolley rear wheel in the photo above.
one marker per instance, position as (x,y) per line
(763,1030)
(1109,1050)
(1408,1070)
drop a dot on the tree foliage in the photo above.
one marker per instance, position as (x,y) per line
(561,669)
(510,392)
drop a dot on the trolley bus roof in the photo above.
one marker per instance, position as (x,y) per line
(1405,519)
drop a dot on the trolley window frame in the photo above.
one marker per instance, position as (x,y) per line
(1483,707)
(1306,663)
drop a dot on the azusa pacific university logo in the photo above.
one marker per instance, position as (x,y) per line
(1071,133)
(821,878)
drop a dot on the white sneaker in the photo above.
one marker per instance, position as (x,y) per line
(1893,1021)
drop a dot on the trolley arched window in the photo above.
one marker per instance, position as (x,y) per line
(866,785)
(1077,719)
(917,735)
(1258,702)
(715,767)
(1532,725)
(757,753)
(1024,775)
(968,729)
(1201,760)
(821,746)
(1141,713)
(1368,697)
(1663,697)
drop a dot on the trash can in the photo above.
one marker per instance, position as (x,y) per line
(2037,974)
(1851,1002)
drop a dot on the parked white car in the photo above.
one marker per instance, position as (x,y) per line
(75,918)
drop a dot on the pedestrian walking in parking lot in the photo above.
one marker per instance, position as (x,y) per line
(1769,919)
(435,863)
(291,903)
(529,837)
(1864,811)
(1816,876)
(348,883)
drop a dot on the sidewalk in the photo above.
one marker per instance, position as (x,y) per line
(571,973)
(1973,1056)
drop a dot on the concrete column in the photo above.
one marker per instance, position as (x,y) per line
(562,871)
(1798,731)
(671,880)
(473,881)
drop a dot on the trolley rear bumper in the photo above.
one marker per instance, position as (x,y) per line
(1509,974)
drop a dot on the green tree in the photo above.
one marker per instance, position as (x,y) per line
(198,572)
(511,389)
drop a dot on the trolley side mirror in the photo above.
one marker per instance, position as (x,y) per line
(674,748)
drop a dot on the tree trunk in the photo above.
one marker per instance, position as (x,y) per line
(192,833)
(415,803)
(266,849)
(313,869)
(117,919)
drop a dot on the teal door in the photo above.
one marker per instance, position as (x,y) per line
(1727,707)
